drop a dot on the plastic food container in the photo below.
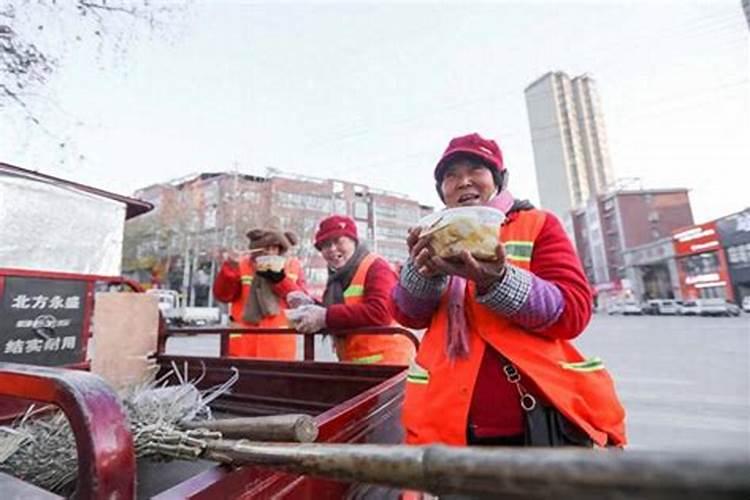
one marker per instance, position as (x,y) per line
(476,229)
(270,263)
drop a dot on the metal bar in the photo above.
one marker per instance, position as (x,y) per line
(8,271)
(309,353)
(223,330)
(106,457)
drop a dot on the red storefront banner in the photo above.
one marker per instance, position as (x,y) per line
(696,239)
(701,263)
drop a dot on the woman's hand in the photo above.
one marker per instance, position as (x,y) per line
(232,257)
(297,299)
(483,273)
(312,319)
(421,253)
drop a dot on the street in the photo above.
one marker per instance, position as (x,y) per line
(684,381)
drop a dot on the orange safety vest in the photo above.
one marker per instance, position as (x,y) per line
(439,391)
(371,349)
(259,345)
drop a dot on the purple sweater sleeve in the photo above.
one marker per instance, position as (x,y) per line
(528,300)
(415,298)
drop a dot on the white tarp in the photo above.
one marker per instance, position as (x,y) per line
(49,227)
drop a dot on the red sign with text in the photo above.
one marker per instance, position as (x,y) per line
(696,239)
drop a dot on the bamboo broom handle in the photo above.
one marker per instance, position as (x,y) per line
(292,427)
(511,473)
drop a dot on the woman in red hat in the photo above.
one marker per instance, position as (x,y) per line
(257,298)
(356,295)
(495,365)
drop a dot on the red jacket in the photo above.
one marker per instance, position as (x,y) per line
(375,309)
(228,287)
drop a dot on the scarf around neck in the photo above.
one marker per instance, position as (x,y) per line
(340,279)
(262,302)
(457,336)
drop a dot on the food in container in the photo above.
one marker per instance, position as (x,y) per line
(273,263)
(476,229)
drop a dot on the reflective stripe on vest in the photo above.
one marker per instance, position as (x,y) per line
(417,374)
(519,250)
(354,291)
(369,349)
(246,279)
(368,360)
(587,365)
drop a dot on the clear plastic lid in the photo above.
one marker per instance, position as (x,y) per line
(270,263)
(476,229)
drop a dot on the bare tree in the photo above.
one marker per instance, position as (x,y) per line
(36,35)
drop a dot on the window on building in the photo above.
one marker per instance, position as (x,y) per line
(363,230)
(385,210)
(305,201)
(339,206)
(209,218)
(739,255)
(696,265)
(712,292)
(360,210)
(391,232)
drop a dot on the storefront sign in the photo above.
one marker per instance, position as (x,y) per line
(696,239)
(41,321)
(734,229)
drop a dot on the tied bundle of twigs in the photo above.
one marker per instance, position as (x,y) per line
(40,447)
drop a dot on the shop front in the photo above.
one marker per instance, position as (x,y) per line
(701,263)
(734,236)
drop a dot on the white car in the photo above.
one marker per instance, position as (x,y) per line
(746,304)
(176,313)
(631,307)
(709,307)
(614,308)
(668,306)
(689,308)
(734,309)
(664,306)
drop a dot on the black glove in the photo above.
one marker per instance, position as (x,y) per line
(272,276)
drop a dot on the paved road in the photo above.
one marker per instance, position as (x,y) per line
(685,382)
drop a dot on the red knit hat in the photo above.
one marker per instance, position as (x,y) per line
(333,227)
(485,150)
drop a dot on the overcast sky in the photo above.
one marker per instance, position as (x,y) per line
(372,93)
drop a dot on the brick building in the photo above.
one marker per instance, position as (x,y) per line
(179,244)
(611,224)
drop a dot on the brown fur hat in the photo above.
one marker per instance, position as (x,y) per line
(264,237)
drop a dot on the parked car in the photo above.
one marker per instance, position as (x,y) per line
(651,307)
(716,307)
(663,306)
(733,308)
(709,307)
(176,313)
(689,308)
(746,304)
(631,307)
(614,308)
